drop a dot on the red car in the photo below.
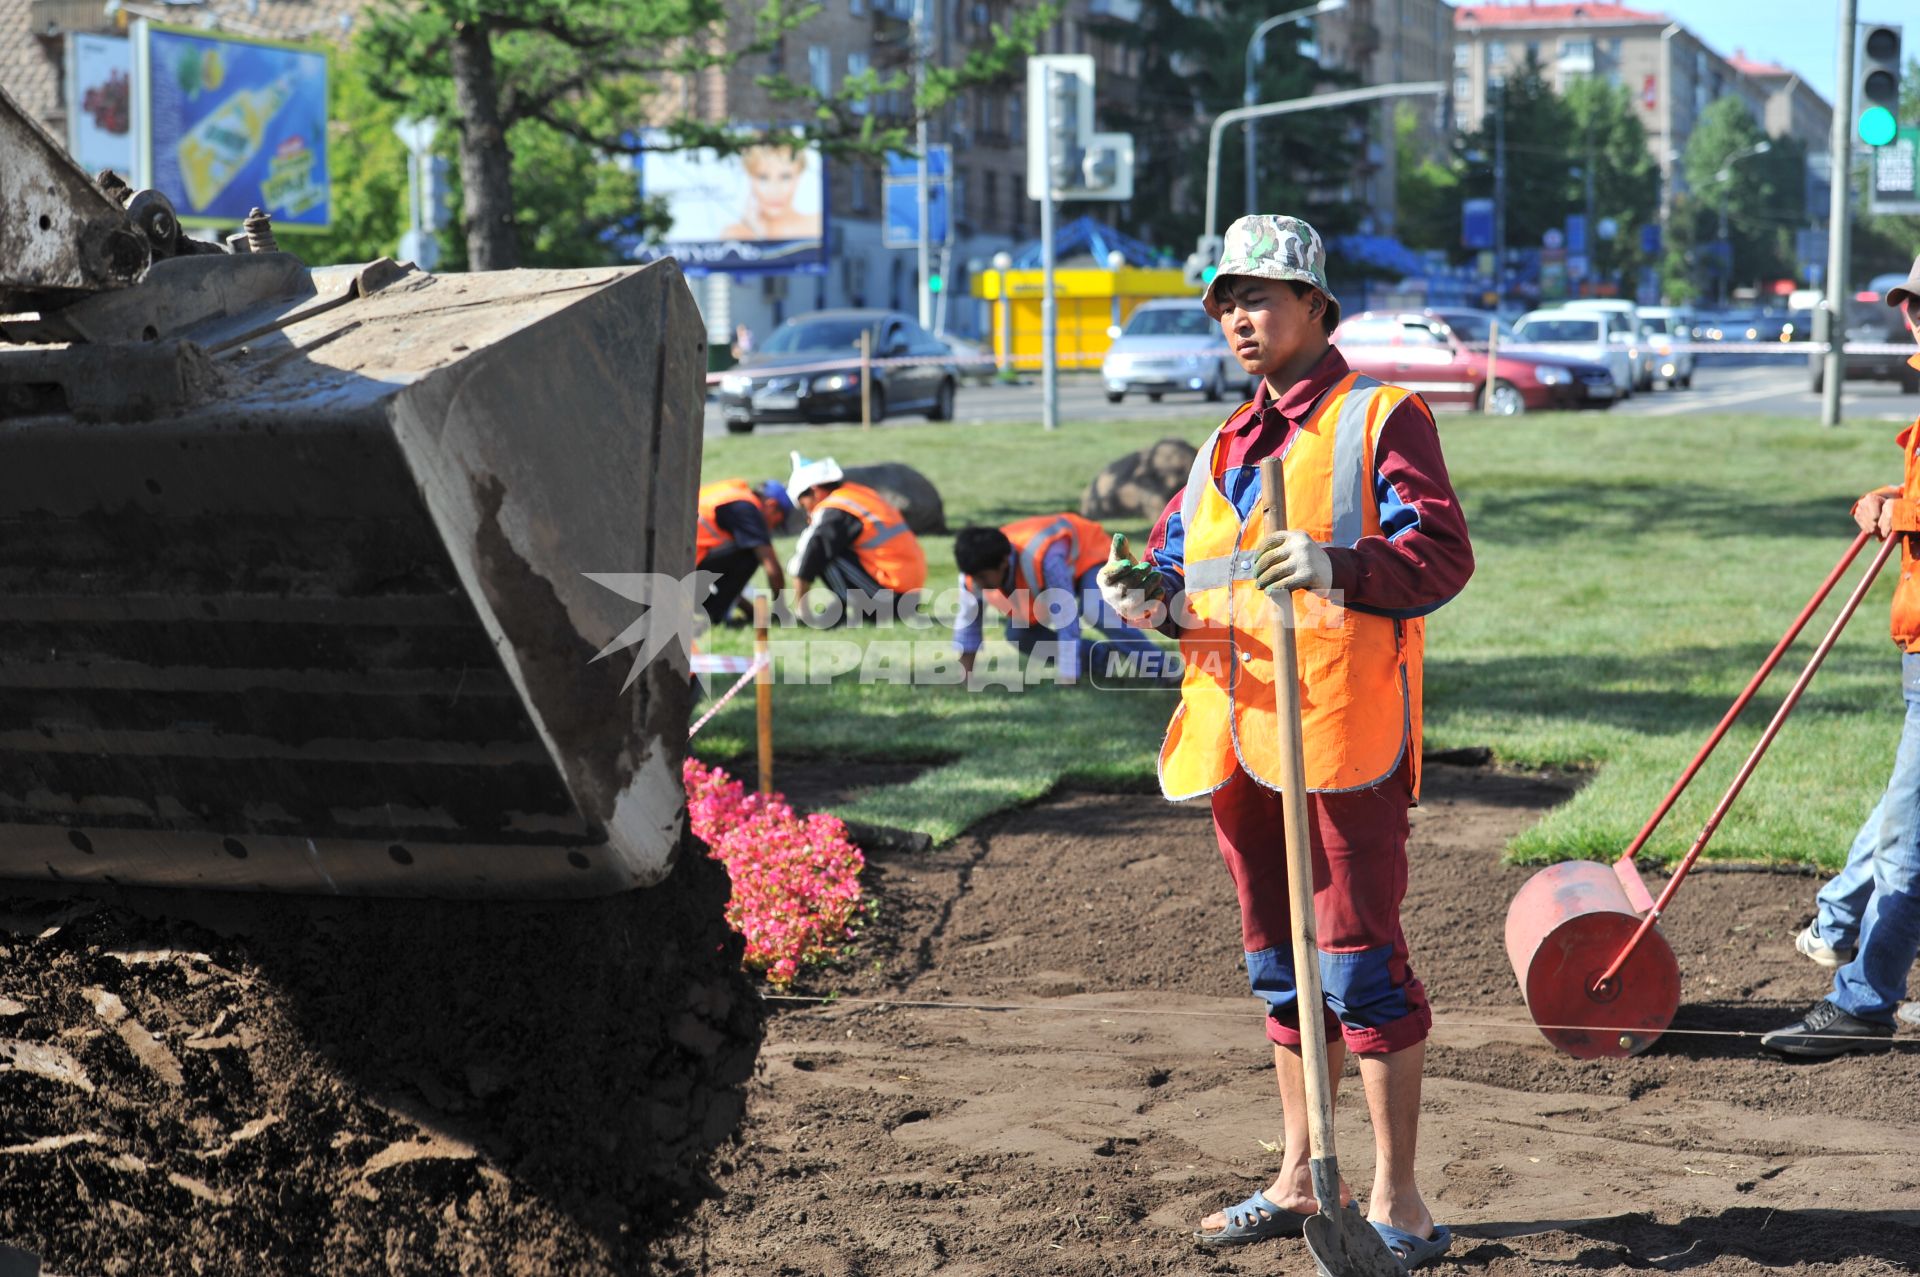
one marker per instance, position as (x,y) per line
(1443,356)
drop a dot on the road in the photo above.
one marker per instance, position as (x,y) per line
(1769,386)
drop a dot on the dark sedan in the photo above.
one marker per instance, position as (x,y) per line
(810,370)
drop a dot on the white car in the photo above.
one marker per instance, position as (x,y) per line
(1577,334)
(1624,328)
(1170,346)
(1666,327)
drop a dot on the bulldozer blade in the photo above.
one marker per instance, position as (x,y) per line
(329,616)
(1343,1244)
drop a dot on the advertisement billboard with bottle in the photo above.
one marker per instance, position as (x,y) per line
(225,125)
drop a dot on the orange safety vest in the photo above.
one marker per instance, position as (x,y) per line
(886,547)
(708,535)
(1906,594)
(1359,673)
(1033,539)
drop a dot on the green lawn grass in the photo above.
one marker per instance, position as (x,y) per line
(1633,572)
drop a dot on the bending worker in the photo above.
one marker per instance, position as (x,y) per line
(1042,573)
(855,544)
(1868,925)
(734,535)
(1377,541)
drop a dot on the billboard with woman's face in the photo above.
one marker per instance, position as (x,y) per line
(763,209)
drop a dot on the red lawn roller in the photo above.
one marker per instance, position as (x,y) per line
(1597,974)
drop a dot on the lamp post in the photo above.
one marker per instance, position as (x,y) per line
(1723,177)
(1002,263)
(1248,92)
(1669,155)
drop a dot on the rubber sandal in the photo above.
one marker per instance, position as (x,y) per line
(1412,1251)
(1253,1220)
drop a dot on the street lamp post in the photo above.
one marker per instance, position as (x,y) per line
(1002,263)
(1723,178)
(1249,93)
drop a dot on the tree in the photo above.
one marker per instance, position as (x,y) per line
(522,73)
(1538,154)
(1426,189)
(1761,198)
(1192,68)
(1618,175)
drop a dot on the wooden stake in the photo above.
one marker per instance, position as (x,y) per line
(763,692)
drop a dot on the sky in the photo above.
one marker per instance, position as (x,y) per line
(1798,34)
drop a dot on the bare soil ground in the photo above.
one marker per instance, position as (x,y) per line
(1130,1093)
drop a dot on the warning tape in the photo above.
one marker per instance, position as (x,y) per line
(754,666)
(1439,1021)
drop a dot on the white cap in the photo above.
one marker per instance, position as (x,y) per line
(811,474)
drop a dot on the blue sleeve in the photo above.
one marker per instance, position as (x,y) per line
(743,521)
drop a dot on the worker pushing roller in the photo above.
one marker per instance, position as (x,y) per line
(1377,540)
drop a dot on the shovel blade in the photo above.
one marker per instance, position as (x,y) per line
(1344,1244)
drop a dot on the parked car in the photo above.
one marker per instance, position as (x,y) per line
(809,370)
(1667,328)
(1577,334)
(1443,356)
(1624,327)
(1869,322)
(1170,346)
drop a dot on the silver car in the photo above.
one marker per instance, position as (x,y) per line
(1170,346)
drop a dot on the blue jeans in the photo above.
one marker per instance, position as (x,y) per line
(1874,903)
(1118,636)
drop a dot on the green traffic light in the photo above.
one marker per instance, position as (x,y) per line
(935,283)
(1207,273)
(1877,126)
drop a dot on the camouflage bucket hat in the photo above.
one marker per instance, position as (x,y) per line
(1272,246)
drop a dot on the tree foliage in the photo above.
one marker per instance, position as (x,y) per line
(1762,197)
(568,83)
(1427,189)
(1625,182)
(1192,68)
(1540,129)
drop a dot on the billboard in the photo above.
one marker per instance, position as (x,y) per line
(1896,174)
(761,210)
(100,102)
(902,190)
(226,124)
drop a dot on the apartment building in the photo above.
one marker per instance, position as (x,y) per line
(1673,73)
(1793,109)
(1391,42)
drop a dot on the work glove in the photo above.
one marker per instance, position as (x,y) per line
(1291,560)
(1134,590)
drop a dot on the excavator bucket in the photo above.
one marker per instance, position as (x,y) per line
(307,593)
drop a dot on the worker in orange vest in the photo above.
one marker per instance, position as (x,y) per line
(856,544)
(1867,926)
(733,534)
(1043,574)
(1376,541)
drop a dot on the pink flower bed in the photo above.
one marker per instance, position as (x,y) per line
(796,880)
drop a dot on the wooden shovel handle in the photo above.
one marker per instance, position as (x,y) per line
(1293,793)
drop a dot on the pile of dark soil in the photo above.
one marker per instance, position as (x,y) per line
(238,1086)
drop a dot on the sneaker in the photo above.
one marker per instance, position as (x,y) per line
(1810,945)
(1825,1031)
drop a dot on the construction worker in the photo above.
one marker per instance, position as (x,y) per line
(734,534)
(1377,541)
(855,544)
(1042,573)
(1867,929)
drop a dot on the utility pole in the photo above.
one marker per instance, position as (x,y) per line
(1829,322)
(1049,311)
(925,252)
(1499,192)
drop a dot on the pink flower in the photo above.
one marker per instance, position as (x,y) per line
(796,881)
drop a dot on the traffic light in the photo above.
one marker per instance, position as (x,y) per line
(1082,164)
(1874,116)
(1204,263)
(935,283)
